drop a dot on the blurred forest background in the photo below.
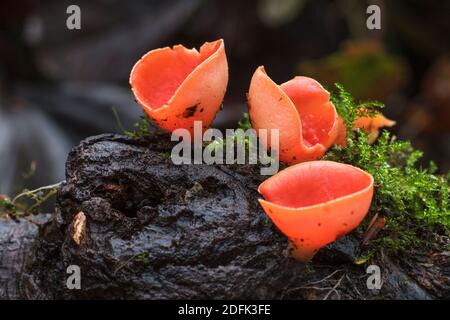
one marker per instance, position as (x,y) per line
(58,86)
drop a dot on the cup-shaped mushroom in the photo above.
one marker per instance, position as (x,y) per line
(177,86)
(315,203)
(300,109)
(370,125)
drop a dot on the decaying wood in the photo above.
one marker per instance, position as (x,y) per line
(140,227)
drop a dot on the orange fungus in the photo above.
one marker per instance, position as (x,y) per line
(177,86)
(300,109)
(370,125)
(314,203)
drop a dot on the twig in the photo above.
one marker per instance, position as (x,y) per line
(32,192)
(326,278)
(125,263)
(354,287)
(310,285)
(334,289)
(39,202)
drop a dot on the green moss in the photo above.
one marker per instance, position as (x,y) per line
(245,123)
(7,207)
(365,257)
(142,128)
(142,258)
(413,198)
(349,110)
(217,145)
(239,138)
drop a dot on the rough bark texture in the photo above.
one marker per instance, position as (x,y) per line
(16,242)
(155,230)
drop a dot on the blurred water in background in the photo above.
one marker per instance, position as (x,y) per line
(58,86)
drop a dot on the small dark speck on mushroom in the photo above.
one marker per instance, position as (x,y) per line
(189,112)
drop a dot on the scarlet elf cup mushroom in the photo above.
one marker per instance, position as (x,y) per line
(177,86)
(370,125)
(315,203)
(300,109)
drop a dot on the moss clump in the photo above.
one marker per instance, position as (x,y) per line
(245,123)
(7,207)
(413,198)
(142,128)
(349,110)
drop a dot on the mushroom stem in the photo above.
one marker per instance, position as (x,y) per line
(300,253)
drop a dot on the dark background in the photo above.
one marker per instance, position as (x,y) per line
(58,86)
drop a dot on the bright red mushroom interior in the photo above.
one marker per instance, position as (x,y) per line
(317,115)
(313,183)
(158,75)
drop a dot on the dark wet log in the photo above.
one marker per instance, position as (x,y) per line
(140,227)
(155,230)
(16,241)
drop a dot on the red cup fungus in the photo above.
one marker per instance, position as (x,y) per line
(177,86)
(315,203)
(302,111)
(370,125)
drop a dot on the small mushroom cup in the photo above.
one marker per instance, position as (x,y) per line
(177,86)
(315,203)
(300,109)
